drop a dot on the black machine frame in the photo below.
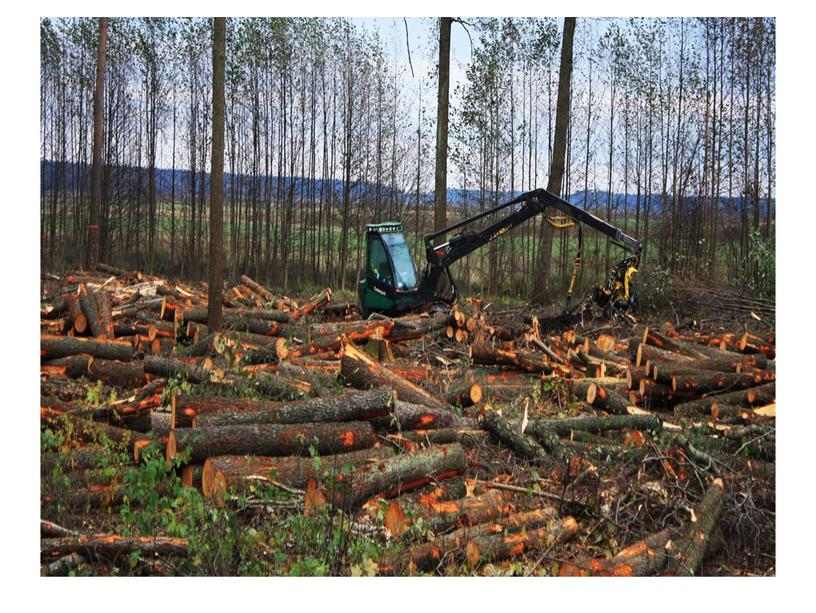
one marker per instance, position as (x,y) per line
(441,257)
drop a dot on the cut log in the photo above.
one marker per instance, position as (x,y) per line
(83,458)
(696,385)
(469,439)
(320,345)
(754,396)
(75,365)
(270,439)
(88,305)
(258,288)
(87,430)
(267,314)
(116,373)
(690,551)
(351,406)
(103,308)
(82,498)
(550,442)
(78,318)
(314,303)
(362,372)
(410,416)
(758,375)
(509,392)
(597,423)
(191,475)
(644,558)
(441,516)
(275,386)
(413,327)
(64,566)
(489,543)
(522,444)
(606,399)
(648,352)
(399,474)
(634,375)
(523,360)
(465,396)
(112,545)
(52,347)
(169,368)
(254,325)
(237,470)
(58,305)
(413,373)
(651,337)
(161,423)
(579,387)
(655,395)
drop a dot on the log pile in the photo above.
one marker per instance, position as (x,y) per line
(534,420)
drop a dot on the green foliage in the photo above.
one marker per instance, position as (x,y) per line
(93,396)
(175,385)
(763,254)
(654,286)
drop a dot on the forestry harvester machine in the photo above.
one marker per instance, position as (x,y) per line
(391,285)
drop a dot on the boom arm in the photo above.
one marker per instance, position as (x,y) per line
(532,203)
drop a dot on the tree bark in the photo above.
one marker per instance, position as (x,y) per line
(169,368)
(522,444)
(441,171)
(362,372)
(754,396)
(698,384)
(643,558)
(52,347)
(606,399)
(270,439)
(88,304)
(354,406)
(216,263)
(487,541)
(236,470)
(691,550)
(116,373)
(410,416)
(112,545)
(562,115)
(92,253)
(78,318)
(76,365)
(596,423)
(402,473)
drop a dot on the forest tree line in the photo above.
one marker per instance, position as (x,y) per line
(671,137)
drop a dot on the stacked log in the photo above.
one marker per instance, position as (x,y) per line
(384,413)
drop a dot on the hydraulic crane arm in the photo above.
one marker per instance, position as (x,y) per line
(529,204)
(532,203)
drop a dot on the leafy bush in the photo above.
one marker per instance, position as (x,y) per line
(763,254)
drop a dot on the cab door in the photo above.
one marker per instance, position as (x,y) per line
(379,272)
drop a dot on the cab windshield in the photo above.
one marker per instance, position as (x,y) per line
(404,273)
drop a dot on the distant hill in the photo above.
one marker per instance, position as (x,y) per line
(75,172)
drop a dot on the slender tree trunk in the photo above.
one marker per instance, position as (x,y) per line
(92,254)
(216,268)
(541,281)
(441,172)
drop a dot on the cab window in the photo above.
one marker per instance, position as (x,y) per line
(378,265)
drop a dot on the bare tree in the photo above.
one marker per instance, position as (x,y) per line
(216,262)
(541,281)
(442,103)
(92,254)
